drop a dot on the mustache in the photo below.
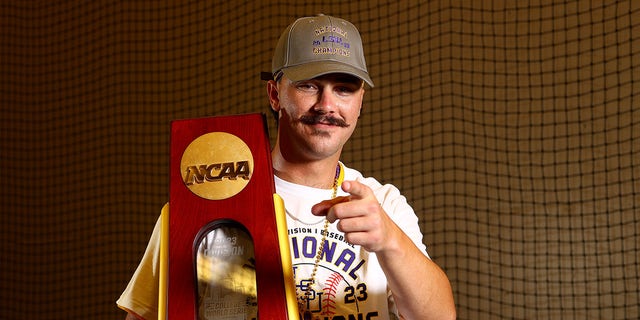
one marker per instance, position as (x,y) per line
(325,119)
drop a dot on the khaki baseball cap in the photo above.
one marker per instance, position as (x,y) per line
(319,45)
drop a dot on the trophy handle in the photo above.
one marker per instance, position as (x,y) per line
(164,262)
(285,256)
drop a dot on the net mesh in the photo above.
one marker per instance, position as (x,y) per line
(512,127)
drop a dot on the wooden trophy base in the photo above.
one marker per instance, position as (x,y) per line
(224,249)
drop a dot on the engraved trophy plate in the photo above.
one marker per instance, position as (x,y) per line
(226,273)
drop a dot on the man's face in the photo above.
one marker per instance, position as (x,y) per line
(317,116)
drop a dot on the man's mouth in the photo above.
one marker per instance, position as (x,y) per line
(323,119)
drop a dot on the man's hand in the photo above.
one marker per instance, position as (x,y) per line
(359,216)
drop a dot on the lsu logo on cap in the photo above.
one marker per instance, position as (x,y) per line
(216,165)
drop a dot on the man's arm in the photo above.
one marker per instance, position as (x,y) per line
(420,288)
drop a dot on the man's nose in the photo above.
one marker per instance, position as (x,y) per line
(326,102)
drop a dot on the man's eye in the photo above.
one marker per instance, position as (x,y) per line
(345,89)
(306,86)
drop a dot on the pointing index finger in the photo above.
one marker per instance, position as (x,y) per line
(322,208)
(355,189)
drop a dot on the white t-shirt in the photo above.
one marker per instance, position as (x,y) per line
(349,282)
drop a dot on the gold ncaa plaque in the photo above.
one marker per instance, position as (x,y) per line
(216,165)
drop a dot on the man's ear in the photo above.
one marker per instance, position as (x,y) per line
(361,103)
(272,93)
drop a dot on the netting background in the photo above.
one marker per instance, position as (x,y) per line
(513,128)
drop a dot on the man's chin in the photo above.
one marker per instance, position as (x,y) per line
(317,132)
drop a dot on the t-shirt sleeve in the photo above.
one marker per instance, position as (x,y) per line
(141,295)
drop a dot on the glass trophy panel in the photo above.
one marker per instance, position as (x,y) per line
(226,273)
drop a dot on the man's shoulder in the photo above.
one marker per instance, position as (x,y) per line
(351,173)
(371,182)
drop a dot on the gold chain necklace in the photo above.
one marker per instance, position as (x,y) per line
(312,280)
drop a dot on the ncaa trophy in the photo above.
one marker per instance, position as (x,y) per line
(224,251)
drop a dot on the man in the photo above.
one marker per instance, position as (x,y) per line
(356,245)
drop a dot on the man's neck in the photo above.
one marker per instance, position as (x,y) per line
(316,174)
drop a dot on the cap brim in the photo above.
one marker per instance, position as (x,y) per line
(315,69)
